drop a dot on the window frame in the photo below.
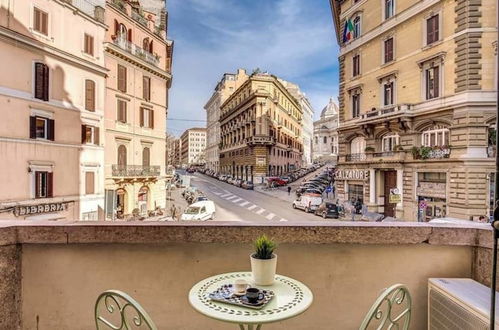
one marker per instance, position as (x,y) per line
(393,138)
(37,182)
(44,80)
(146,94)
(356,65)
(426,137)
(119,113)
(90,106)
(357,29)
(392,52)
(88,44)
(427,41)
(385,9)
(34,20)
(94,176)
(121,80)
(355,105)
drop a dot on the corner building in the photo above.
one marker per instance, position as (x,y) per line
(417,106)
(139,57)
(260,130)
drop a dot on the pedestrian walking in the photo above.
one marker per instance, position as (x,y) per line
(289,190)
(173,212)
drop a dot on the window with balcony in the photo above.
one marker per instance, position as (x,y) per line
(122,78)
(146,88)
(41,128)
(90,134)
(358,145)
(88,45)
(146,118)
(89,183)
(388,93)
(432,82)
(389,6)
(40,21)
(389,142)
(435,137)
(388,50)
(41,75)
(356,65)
(121,115)
(432,29)
(355,105)
(356,27)
(43,184)
(89,95)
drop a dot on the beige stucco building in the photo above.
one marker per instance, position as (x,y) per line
(193,147)
(225,87)
(138,58)
(417,98)
(261,130)
(52,105)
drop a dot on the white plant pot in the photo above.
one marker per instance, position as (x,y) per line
(263,270)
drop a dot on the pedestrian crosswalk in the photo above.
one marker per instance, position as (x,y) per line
(249,206)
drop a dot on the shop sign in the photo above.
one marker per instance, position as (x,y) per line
(260,161)
(422,205)
(352,174)
(22,210)
(395,196)
(431,189)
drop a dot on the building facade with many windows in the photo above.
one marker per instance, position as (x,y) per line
(225,87)
(139,57)
(261,130)
(193,147)
(52,105)
(417,98)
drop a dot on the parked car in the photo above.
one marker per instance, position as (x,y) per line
(200,211)
(313,191)
(190,170)
(308,203)
(286,179)
(275,181)
(248,185)
(237,182)
(327,210)
(200,198)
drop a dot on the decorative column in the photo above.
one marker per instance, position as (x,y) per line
(400,187)
(372,186)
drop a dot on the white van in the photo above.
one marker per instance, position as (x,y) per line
(308,203)
(200,211)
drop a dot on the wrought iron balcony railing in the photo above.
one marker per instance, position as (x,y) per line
(260,140)
(133,49)
(355,157)
(139,18)
(135,170)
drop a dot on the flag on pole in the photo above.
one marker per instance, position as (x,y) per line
(348,31)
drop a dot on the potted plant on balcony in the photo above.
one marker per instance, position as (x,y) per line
(369,149)
(263,261)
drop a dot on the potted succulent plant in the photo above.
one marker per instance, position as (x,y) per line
(263,261)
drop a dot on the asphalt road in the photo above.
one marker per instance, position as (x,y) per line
(237,204)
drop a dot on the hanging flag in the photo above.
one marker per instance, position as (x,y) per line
(348,31)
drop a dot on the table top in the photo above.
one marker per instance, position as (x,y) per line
(291,299)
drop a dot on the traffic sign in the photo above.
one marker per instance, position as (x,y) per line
(329,189)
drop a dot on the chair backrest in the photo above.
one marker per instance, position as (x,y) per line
(382,314)
(123,310)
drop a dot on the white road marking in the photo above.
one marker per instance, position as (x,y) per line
(216,193)
(260,211)
(225,195)
(230,197)
(270,216)
(243,203)
(284,220)
(251,207)
(237,200)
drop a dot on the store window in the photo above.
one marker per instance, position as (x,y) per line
(356,192)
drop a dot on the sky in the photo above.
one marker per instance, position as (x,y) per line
(292,39)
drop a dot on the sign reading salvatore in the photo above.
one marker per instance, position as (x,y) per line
(39,208)
(352,174)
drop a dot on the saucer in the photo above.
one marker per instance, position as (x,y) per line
(239,294)
(245,301)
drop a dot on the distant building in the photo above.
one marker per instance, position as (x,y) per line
(177,156)
(307,122)
(193,147)
(170,152)
(225,87)
(261,130)
(325,144)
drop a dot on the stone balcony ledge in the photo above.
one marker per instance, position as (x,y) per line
(50,232)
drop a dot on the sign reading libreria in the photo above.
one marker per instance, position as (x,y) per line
(352,174)
(40,208)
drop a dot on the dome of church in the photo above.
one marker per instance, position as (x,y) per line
(330,109)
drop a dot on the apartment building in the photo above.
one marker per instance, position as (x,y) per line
(225,87)
(170,151)
(261,130)
(52,105)
(177,156)
(325,144)
(193,147)
(417,105)
(138,59)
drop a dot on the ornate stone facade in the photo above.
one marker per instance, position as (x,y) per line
(325,143)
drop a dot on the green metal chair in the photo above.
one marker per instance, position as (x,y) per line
(121,311)
(380,316)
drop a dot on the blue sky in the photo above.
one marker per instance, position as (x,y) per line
(293,39)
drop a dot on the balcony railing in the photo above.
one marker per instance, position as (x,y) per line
(385,111)
(355,157)
(136,50)
(260,140)
(139,18)
(135,171)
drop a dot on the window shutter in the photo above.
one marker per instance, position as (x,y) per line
(96,136)
(122,78)
(124,112)
(116,28)
(130,35)
(45,82)
(83,134)
(141,117)
(435,28)
(37,184)
(436,81)
(151,47)
(50,184)
(51,129)
(89,95)
(32,127)
(45,28)
(151,118)
(39,71)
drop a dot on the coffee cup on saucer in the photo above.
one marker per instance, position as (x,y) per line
(240,287)
(254,295)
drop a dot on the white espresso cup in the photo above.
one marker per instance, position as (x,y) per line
(240,286)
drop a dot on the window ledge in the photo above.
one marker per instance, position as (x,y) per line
(387,64)
(433,44)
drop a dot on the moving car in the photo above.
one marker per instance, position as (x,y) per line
(308,203)
(327,210)
(199,211)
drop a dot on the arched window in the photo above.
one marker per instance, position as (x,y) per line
(358,145)
(122,156)
(436,136)
(146,157)
(122,32)
(356,27)
(389,142)
(145,44)
(325,139)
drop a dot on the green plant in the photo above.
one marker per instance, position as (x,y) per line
(264,247)
(424,152)
(369,149)
(398,147)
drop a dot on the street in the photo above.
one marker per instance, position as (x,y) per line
(237,204)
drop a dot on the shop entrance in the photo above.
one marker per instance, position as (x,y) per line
(120,203)
(143,192)
(431,208)
(390,178)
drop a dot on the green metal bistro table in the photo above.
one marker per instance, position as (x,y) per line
(291,299)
